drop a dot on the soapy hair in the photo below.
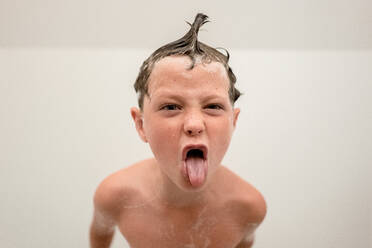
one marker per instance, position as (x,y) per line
(189,46)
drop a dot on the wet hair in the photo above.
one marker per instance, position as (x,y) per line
(189,46)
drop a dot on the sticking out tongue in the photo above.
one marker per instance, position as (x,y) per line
(196,170)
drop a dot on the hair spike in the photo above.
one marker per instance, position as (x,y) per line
(200,20)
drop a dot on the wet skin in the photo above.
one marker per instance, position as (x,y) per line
(154,202)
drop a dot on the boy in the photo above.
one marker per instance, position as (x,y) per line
(183,197)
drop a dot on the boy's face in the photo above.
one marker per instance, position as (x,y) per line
(187,110)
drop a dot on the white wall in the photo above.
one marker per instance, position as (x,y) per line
(303,139)
(265,24)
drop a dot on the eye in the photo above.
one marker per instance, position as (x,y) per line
(170,107)
(214,106)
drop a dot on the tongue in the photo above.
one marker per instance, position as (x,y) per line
(196,170)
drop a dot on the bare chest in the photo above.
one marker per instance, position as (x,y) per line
(184,229)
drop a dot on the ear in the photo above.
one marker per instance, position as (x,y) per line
(138,121)
(236,115)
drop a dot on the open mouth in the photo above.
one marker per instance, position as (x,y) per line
(195,166)
(194,151)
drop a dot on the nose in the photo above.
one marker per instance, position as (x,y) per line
(194,124)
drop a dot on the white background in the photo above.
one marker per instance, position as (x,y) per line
(303,138)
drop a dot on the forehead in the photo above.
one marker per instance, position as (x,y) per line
(173,72)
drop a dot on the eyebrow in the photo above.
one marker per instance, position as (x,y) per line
(172,95)
(180,97)
(214,96)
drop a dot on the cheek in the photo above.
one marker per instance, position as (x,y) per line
(160,130)
(162,137)
(223,127)
(220,135)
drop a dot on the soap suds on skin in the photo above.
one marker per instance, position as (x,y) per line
(201,228)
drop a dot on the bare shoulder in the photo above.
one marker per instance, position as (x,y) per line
(247,201)
(119,189)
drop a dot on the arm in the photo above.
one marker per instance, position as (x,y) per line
(102,228)
(256,212)
(246,243)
